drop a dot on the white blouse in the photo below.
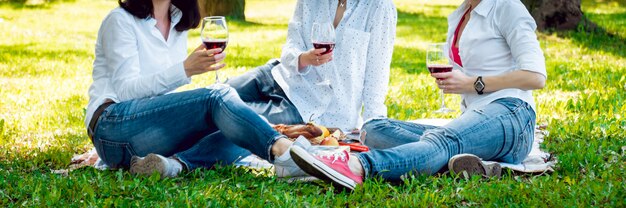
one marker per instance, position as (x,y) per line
(358,75)
(133,60)
(499,37)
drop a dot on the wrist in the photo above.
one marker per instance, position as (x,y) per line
(301,62)
(479,85)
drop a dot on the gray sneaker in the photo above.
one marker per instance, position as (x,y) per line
(468,165)
(151,163)
(284,166)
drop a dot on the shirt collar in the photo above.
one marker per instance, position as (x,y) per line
(175,13)
(484,7)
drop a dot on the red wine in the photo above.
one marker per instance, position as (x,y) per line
(213,44)
(439,68)
(329,46)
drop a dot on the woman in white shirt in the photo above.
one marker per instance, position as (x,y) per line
(140,58)
(498,64)
(338,89)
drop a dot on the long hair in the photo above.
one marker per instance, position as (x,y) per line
(143,9)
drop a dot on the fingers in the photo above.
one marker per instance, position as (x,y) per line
(318,60)
(319,51)
(216,67)
(214,51)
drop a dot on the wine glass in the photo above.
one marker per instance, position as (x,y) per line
(214,34)
(323,36)
(437,61)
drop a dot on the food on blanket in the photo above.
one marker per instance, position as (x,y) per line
(311,131)
(329,141)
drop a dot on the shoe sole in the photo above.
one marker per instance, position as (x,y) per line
(316,168)
(473,165)
(150,164)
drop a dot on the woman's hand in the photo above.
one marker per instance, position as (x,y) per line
(314,57)
(202,60)
(454,82)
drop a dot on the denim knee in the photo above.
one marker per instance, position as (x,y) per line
(373,127)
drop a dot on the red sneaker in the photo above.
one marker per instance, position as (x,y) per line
(332,168)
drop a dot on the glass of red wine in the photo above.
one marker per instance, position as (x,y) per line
(323,36)
(437,61)
(214,34)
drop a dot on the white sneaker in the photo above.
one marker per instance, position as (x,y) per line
(284,166)
(151,163)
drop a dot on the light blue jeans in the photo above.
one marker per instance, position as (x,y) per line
(258,89)
(200,127)
(501,131)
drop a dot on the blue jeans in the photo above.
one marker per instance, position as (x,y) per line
(258,89)
(200,127)
(501,131)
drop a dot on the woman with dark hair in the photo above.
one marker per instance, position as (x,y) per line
(135,122)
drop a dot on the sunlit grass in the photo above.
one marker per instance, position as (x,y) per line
(46,53)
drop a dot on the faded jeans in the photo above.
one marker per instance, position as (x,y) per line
(200,127)
(258,89)
(500,131)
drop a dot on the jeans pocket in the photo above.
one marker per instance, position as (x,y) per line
(115,154)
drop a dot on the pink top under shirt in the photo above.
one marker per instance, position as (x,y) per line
(455,50)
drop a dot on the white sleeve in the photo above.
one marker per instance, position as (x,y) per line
(518,28)
(379,54)
(119,43)
(295,44)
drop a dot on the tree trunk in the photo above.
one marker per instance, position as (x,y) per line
(233,9)
(556,14)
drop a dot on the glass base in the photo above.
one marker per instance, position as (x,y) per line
(444,110)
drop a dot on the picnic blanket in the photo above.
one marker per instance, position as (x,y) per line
(537,162)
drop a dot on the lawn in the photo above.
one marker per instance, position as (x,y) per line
(46,53)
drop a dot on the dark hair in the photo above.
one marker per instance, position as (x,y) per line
(143,9)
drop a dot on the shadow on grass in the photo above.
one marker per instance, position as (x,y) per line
(600,38)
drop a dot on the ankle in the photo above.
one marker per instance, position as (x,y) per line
(356,167)
(176,160)
(280,147)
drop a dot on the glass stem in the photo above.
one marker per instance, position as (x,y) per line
(443,103)
(217,78)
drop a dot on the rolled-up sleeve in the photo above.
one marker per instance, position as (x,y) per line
(518,28)
(122,54)
(379,54)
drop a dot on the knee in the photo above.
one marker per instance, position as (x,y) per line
(221,92)
(375,124)
(371,128)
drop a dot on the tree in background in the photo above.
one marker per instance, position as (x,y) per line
(557,14)
(234,9)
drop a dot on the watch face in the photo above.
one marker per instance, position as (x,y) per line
(479,85)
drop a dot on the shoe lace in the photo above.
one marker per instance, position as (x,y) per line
(334,156)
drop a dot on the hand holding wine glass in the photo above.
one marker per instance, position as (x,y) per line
(214,34)
(199,61)
(438,62)
(323,39)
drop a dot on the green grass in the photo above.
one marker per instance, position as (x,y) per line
(46,54)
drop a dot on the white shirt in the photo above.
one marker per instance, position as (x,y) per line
(499,37)
(359,72)
(133,60)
